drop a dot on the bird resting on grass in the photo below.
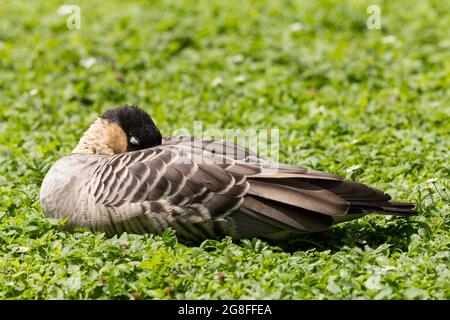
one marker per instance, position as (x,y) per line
(123,177)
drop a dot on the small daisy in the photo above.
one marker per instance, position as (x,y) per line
(431,182)
(88,62)
(239,79)
(237,58)
(435,104)
(64,9)
(353,168)
(217,81)
(23,249)
(296,27)
(389,39)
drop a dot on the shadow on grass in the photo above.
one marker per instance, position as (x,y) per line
(351,234)
(396,232)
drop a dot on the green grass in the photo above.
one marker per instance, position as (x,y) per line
(339,93)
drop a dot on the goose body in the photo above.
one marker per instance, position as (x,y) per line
(202,188)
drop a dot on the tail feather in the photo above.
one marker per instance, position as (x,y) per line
(296,203)
(405,209)
(305,196)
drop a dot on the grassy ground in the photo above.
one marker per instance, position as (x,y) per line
(341,95)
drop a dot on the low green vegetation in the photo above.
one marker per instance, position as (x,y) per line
(371,105)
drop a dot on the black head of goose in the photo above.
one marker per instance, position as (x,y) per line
(123,177)
(118,131)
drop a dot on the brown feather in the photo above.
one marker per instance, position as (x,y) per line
(318,200)
(286,216)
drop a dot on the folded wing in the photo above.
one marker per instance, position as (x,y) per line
(207,189)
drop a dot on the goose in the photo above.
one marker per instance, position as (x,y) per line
(124,177)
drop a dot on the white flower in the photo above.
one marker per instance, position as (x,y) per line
(88,62)
(34,92)
(431,182)
(383,271)
(353,168)
(296,27)
(435,104)
(322,109)
(237,58)
(389,39)
(23,249)
(388,268)
(64,9)
(217,81)
(239,79)
(373,282)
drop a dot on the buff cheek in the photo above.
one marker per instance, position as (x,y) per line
(116,139)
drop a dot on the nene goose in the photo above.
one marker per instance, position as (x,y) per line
(123,177)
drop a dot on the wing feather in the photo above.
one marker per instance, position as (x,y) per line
(206,189)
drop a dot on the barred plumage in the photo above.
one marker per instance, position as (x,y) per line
(231,191)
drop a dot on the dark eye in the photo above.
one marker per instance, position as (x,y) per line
(134,140)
